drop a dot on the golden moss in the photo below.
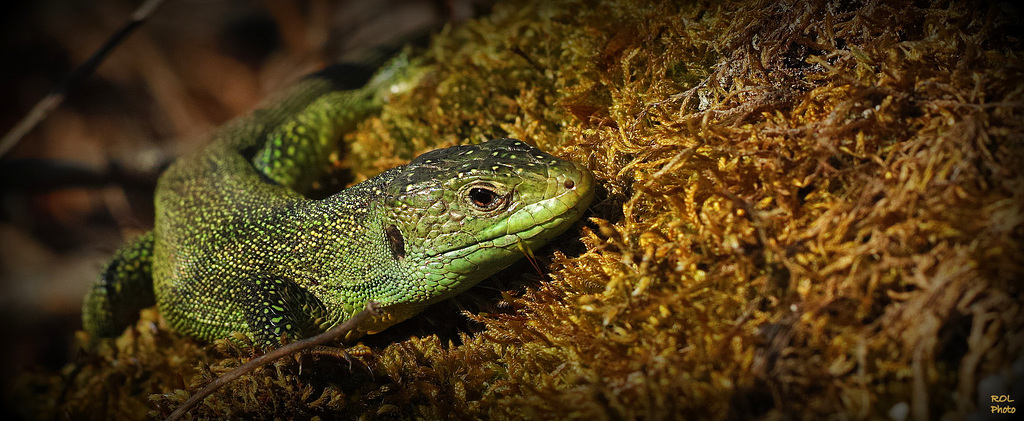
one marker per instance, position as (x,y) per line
(808,209)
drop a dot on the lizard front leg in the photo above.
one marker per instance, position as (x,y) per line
(278,308)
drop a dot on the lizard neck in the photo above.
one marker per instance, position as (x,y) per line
(342,248)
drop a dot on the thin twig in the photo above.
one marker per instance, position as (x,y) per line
(56,96)
(335,333)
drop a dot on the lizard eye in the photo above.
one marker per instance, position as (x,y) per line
(485,199)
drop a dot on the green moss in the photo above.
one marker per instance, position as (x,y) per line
(804,210)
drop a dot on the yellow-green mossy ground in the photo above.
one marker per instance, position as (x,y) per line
(806,209)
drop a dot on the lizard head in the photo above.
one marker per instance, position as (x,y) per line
(455,216)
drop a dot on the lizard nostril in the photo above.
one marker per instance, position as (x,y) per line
(569,184)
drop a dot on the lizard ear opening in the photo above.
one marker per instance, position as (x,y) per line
(395,241)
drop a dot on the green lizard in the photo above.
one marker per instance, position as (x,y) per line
(238,247)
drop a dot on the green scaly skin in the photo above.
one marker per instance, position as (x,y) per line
(237,247)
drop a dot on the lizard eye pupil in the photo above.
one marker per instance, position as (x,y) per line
(483,198)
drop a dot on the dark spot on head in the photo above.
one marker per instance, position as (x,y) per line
(395,241)
(569,184)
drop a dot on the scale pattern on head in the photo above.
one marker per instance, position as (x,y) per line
(455,216)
